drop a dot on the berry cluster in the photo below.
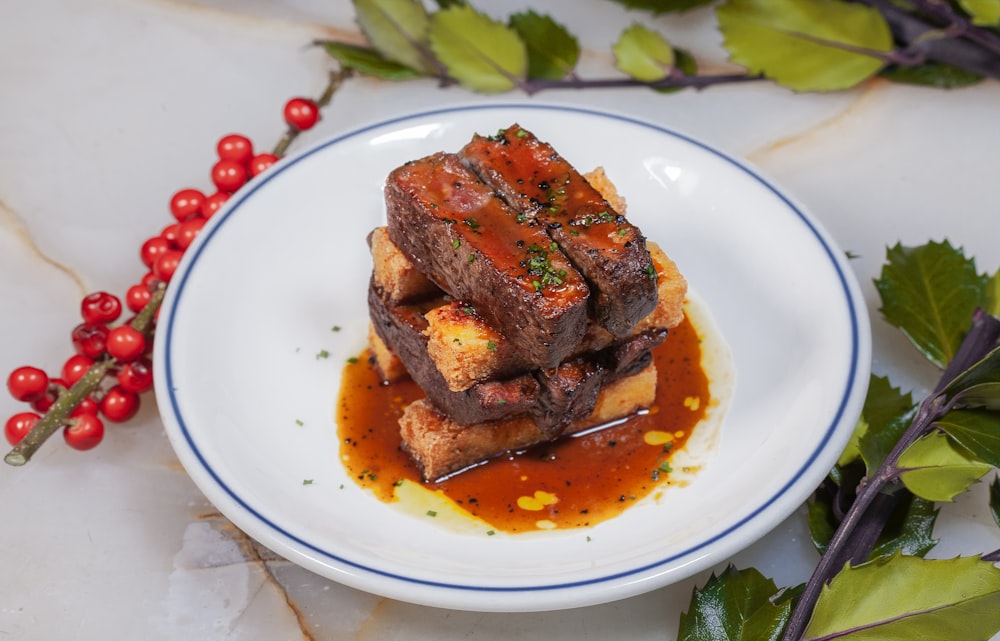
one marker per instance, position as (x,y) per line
(112,365)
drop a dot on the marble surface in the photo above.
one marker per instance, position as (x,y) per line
(108,107)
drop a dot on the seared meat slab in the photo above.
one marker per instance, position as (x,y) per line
(550,194)
(466,240)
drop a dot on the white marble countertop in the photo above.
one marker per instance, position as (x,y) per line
(109,106)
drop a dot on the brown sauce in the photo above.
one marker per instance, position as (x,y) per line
(574,482)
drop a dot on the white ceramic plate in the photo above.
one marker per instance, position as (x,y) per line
(253,303)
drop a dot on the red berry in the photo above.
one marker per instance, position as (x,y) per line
(18,426)
(84,432)
(152,248)
(214,203)
(170,233)
(137,376)
(27,383)
(126,343)
(235,147)
(86,406)
(56,387)
(136,297)
(188,230)
(166,264)
(229,175)
(119,404)
(301,113)
(90,340)
(100,307)
(149,281)
(75,367)
(261,162)
(186,203)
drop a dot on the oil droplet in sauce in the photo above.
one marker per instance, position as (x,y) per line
(573,482)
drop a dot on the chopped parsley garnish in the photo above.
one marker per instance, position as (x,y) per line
(299,422)
(492,346)
(307,481)
(322,354)
(431,513)
(352,360)
(472,223)
(335,328)
(455,243)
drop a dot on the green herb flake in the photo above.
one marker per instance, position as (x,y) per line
(431,513)
(352,360)
(307,481)
(521,133)
(455,243)
(492,346)
(335,328)
(322,354)
(472,257)
(491,532)
(472,223)
(299,422)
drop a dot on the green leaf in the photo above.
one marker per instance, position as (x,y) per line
(664,6)
(643,54)
(909,528)
(806,45)
(932,74)
(904,598)
(552,50)
(887,413)
(995,499)
(978,386)
(933,469)
(985,13)
(368,62)
(822,523)
(991,304)
(978,431)
(481,54)
(736,605)
(930,292)
(397,29)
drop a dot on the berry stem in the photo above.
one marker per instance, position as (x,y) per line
(58,414)
(337,78)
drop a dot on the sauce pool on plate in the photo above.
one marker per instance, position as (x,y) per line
(573,482)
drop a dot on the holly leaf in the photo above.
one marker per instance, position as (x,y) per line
(806,45)
(822,521)
(932,74)
(991,302)
(907,598)
(368,62)
(978,431)
(480,53)
(933,469)
(886,414)
(552,50)
(985,13)
(664,6)
(398,30)
(978,386)
(736,605)
(643,54)
(930,292)
(909,528)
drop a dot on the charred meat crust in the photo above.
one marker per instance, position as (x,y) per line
(550,194)
(469,243)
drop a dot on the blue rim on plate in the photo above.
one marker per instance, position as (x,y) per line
(256,517)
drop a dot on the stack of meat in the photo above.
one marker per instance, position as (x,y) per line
(516,294)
